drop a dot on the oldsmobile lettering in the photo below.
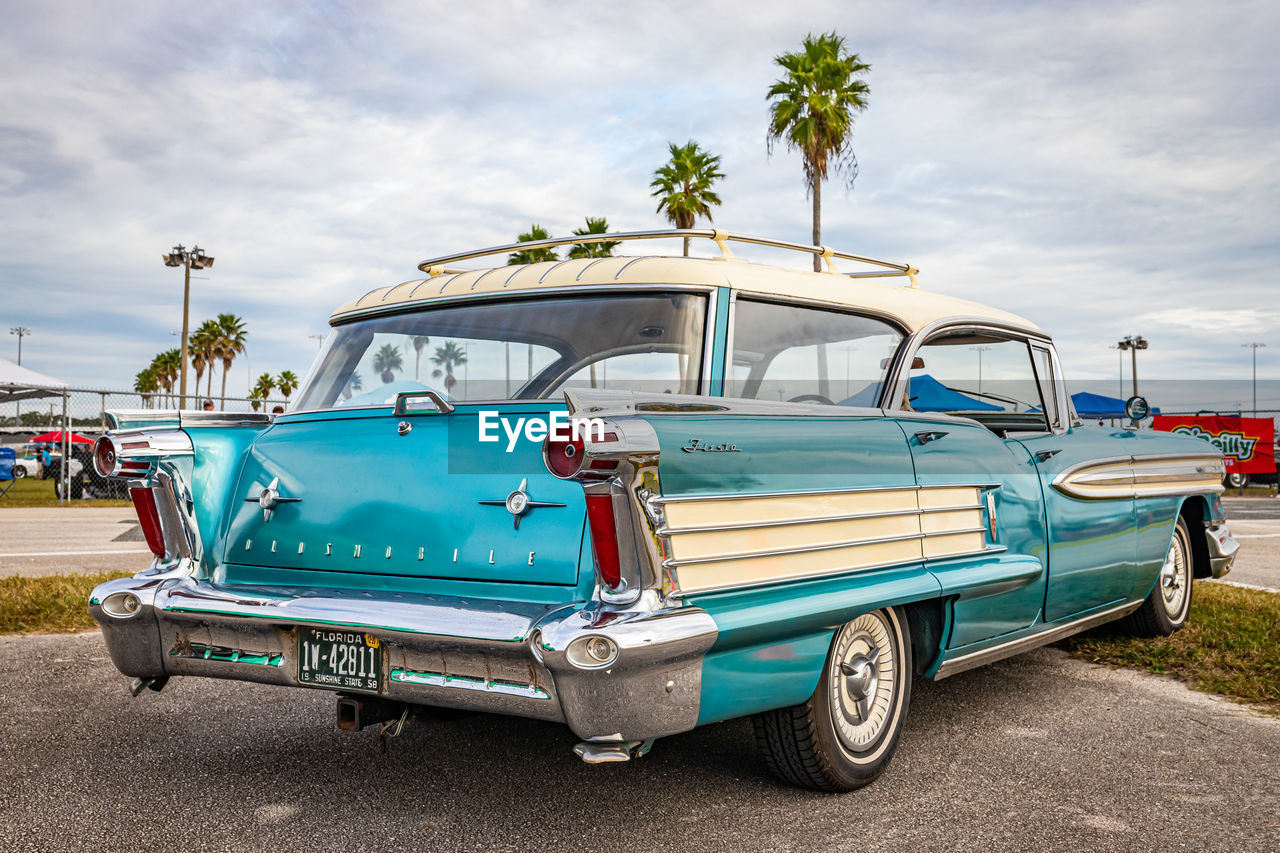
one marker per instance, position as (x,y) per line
(883,528)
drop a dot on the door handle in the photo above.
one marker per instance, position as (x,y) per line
(929,435)
(1046,455)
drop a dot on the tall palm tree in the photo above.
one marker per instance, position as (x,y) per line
(595,225)
(231,343)
(419,342)
(532,256)
(287,382)
(683,186)
(812,112)
(448,357)
(387,360)
(205,341)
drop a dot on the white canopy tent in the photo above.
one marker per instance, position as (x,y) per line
(19,383)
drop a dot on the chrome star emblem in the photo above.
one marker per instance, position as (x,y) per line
(269,498)
(518,502)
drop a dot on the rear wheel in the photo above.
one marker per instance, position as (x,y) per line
(19,472)
(844,736)
(1169,603)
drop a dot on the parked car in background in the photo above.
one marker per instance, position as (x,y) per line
(789,494)
(25,466)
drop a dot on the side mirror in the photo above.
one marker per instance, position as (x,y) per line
(1137,408)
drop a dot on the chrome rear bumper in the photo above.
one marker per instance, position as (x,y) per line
(486,655)
(1222,549)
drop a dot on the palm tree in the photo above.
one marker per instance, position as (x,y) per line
(387,361)
(419,341)
(231,343)
(264,386)
(448,357)
(287,382)
(166,366)
(684,185)
(255,398)
(145,384)
(205,341)
(595,225)
(812,112)
(532,256)
(354,384)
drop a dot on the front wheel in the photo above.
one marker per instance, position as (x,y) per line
(19,472)
(844,736)
(1167,607)
(1236,480)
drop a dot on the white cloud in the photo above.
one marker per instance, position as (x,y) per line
(1102,170)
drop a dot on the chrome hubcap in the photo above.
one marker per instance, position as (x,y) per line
(863,681)
(1174,578)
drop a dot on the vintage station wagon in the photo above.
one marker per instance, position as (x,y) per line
(639,494)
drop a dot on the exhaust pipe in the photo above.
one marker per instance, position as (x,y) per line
(355,713)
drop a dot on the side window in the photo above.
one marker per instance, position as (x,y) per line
(801,354)
(979,376)
(659,372)
(1048,383)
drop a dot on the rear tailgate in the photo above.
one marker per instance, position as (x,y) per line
(356,496)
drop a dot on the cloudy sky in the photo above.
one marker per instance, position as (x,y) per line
(1102,168)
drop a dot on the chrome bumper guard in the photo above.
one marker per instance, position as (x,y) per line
(487,655)
(1222,549)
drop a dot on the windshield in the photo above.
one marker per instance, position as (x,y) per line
(514,350)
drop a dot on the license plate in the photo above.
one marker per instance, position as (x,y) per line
(349,660)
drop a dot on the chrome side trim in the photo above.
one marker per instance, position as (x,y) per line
(140,420)
(838,572)
(672,563)
(667,530)
(817,492)
(1182,473)
(1050,634)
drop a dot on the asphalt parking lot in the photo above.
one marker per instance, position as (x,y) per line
(1037,753)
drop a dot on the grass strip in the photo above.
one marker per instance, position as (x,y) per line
(1230,646)
(34,492)
(52,604)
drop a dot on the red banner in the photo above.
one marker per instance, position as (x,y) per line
(1248,443)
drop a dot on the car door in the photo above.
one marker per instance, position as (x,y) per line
(997,582)
(1092,541)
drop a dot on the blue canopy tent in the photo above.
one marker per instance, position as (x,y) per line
(1099,406)
(927,395)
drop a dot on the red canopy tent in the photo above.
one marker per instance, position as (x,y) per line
(55,437)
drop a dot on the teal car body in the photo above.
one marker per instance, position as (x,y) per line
(738,498)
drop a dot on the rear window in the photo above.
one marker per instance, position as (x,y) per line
(514,350)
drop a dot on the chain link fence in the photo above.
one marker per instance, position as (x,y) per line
(52,435)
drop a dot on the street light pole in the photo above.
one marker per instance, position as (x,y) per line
(188,260)
(980,350)
(1254,347)
(21,332)
(1133,343)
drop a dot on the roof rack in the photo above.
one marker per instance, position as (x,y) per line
(436,266)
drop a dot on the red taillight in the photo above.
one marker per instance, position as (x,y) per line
(604,538)
(104,456)
(144,502)
(563,458)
